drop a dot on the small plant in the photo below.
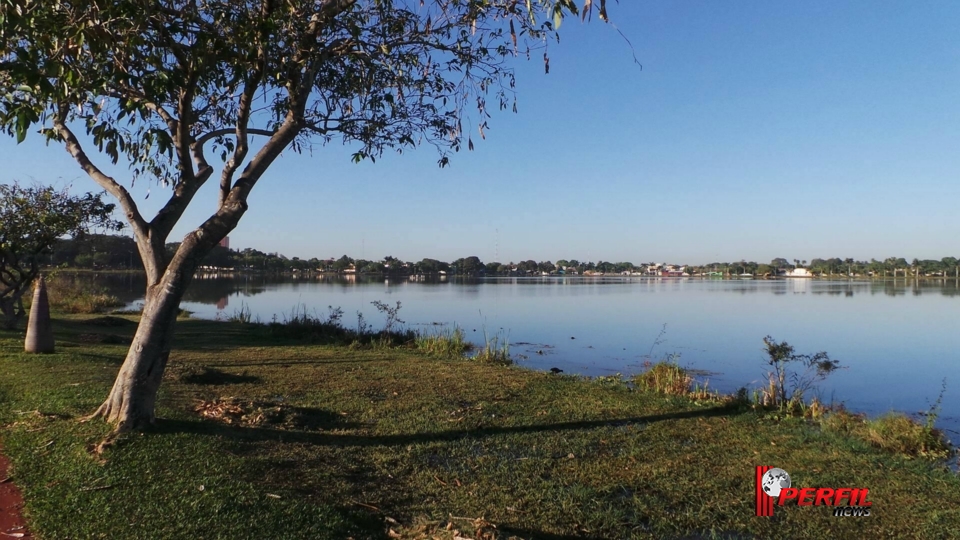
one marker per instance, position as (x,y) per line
(363,327)
(334,315)
(934,412)
(665,377)
(787,388)
(391,313)
(242,315)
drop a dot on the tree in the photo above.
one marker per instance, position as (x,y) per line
(31,221)
(469,266)
(157,83)
(950,263)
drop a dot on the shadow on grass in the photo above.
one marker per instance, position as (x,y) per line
(211,376)
(202,427)
(539,535)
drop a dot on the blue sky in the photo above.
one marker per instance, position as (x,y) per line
(754,130)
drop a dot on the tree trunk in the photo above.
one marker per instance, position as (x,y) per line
(12,311)
(132,399)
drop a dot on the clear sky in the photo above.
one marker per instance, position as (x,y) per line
(754,130)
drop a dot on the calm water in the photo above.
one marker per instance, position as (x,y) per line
(897,339)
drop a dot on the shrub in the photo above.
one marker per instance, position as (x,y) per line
(787,387)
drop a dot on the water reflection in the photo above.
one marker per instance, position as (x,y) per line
(217,289)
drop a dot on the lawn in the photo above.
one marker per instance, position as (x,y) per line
(260,436)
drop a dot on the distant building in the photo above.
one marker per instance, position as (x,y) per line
(225,243)
(799,273)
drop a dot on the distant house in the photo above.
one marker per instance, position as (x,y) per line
(799,273)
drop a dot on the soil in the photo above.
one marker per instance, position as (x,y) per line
(12,524)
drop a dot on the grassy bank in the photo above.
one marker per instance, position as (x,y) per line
(263,435)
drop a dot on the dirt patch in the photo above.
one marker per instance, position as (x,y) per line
(12,524)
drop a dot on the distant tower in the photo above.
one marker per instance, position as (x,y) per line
(225,242)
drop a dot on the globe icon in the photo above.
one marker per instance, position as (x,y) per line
(774,480)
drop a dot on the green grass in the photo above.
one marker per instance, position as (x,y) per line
(265,436)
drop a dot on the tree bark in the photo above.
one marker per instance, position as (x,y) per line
(11,307)
(132,400)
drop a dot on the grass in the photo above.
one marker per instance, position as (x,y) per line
(443,343)
(495,350)
(265,434)
(895,432)
(665,377)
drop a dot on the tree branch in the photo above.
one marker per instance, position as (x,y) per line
(170,214)
(130,209)
(243,113)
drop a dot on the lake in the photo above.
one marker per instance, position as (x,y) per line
(897,339)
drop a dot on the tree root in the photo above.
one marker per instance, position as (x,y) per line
(112,439)
(101,412)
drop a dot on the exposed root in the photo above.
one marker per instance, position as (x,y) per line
(101,412)
(112,439)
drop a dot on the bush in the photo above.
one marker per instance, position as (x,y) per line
(786,387)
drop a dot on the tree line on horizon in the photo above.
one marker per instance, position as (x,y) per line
(101,251)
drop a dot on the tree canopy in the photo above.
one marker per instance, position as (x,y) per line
(31,221)
(160,84)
